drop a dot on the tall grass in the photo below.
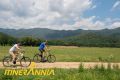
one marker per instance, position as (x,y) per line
(96,73)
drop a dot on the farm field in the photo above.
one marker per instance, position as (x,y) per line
(73,54)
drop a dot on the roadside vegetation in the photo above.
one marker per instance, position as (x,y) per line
(97,73)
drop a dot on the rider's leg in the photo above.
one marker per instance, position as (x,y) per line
(42,54)
(13,57)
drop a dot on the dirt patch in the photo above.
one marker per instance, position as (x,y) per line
(68,65)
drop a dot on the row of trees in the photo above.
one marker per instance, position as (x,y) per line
(6,40)
(26,41)
(86,40)
(95,40)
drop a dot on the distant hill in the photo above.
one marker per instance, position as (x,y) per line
(3,35)
(5,39)
(35,32)
(90,38)
(40,33)
(100,38)
(58,34)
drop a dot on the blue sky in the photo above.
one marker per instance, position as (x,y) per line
(60,14)
(104,9)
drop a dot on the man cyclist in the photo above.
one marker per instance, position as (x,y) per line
(14,50)
(42,48)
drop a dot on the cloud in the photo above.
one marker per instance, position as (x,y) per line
(86,24)
(115,25)
(89,23)
(5,5)
(41,13)
(52,14)
(116,5)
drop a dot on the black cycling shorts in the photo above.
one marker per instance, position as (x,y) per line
(42,50)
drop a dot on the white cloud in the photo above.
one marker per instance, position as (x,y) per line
(52,14)
(87,23)
(116,5)
(115,25)
(41,13)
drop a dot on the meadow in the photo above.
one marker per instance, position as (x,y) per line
(97,73)
(72,53)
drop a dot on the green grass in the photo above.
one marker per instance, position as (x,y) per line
(73,53)
(71,74)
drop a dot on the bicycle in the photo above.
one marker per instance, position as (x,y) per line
(24,61)
(49,57)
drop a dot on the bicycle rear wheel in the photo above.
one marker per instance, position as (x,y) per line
(6,61)
(51,58)
(37,58)
(25,62)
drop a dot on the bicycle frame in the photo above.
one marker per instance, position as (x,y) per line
(24,61)
(19,55)
(47,57)
(47,53)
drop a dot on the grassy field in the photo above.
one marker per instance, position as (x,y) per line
(71,74)
(72,53)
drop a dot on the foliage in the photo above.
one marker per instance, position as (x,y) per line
(87,38)
(6,39)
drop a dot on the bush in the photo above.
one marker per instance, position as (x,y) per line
(81,68)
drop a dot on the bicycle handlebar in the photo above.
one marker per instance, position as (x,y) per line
(21,51)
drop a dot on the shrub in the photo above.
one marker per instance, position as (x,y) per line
(81,68)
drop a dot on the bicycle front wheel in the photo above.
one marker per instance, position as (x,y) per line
(51,58)
(25,62)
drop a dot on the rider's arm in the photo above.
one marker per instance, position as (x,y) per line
(47,48)
(18,47)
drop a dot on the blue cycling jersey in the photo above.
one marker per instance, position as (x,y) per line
(42,46)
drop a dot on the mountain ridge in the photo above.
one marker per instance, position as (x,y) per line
(56,34)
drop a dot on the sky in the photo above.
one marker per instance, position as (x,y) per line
(60,14)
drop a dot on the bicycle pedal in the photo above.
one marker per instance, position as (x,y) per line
(14,62)
(44,60)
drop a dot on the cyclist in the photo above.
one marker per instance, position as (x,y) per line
(14,50)
(42,49)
